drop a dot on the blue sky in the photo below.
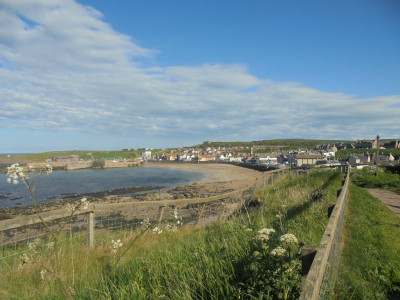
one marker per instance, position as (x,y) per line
(128,74)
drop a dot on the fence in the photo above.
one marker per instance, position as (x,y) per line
(88,226)
(327,254)
(91,226)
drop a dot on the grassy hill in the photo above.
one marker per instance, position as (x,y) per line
(276,143)
(83,154)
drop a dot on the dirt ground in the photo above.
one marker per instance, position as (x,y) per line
(389,198)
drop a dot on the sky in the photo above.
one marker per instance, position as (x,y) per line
(100,74)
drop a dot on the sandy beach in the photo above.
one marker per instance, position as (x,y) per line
(221,176)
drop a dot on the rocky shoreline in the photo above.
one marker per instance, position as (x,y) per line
(220,179)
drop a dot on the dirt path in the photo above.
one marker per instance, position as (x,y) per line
(389,198)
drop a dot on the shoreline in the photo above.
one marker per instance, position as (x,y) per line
(218,179)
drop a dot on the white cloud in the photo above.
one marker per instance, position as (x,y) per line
(63,68)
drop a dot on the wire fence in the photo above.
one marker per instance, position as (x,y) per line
(97,225)
(19,241)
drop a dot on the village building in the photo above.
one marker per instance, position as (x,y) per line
(308,159)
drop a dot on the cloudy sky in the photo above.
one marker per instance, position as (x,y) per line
(100,74)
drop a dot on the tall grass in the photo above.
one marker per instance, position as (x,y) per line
(208,263)
(385,179)
(370,262)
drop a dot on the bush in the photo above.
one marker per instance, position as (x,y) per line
(385,179)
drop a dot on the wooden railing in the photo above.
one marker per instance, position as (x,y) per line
(327,254)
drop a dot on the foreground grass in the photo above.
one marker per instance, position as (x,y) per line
(216,262)
(370,262)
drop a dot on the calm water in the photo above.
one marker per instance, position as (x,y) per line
(52,187)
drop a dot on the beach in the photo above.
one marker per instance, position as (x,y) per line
(218,179)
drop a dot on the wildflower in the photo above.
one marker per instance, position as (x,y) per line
(157,230)
(50,245)
(71,208)
(34,245)
(42,273)
(266,231)
(249,229)
(170,227)
(48,169)
(145,223)
(263,234)
(115,245)
(84,203)
(14,172)
(24,258)
(176,213)
(288,239)
(256,254)
(278,251)
(177,218)
(71,291)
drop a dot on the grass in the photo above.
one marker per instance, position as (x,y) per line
(370,262)
(385,179)
(216,262)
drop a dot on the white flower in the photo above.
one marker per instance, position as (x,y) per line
(176,213)
(70,207)
(84,203)
(171,227)
(48,169)
(71,291)
(50,245)
(266,231)
(24,258)
(115,245)
(278,251)
(34,245)
(157,230)
(42,273)
(263,234)
(288,238)
(145,223)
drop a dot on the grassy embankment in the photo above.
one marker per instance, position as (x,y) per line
(385,179)
(370,262)
(222,261)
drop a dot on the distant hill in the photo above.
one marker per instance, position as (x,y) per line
(281,143)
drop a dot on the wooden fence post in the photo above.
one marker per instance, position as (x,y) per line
(307,257)
(161,214)
(200,214)
(90,229)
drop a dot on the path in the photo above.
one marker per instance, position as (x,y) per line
(389,198)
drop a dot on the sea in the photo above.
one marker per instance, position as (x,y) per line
(60,183)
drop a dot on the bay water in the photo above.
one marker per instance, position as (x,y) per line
(58,184)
